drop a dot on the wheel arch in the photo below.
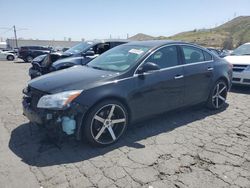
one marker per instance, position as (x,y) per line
(111,97)
(225,80)
(10,55)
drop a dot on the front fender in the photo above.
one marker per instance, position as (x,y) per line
(91,97)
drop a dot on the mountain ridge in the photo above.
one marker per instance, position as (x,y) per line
(228,35)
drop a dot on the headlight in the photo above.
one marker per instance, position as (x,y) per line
(58,100)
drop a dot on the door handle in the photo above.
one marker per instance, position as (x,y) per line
(178,77)
(210,68)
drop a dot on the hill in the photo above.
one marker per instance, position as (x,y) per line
(141,36)
(228,35)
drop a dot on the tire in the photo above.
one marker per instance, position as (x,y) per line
(105,123)
(29,59)
(10,57)
(218,95)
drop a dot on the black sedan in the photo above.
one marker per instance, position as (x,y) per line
(80,54)
(128,83)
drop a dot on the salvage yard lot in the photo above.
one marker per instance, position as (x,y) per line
(188,148)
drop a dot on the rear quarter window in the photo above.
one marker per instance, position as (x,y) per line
(207,56)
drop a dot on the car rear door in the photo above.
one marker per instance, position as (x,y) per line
(160,90)
(198,74)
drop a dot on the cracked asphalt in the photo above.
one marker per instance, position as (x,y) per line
(193,147)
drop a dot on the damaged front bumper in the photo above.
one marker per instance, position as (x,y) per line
(56,122)
(33,73)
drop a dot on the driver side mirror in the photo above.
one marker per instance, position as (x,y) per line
(148,67)
(89,53)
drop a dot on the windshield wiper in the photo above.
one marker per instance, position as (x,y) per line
(99,68)
(246,54)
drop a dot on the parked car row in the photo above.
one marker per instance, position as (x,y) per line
(80,54)
(99,98)
(28,53)
(220,53)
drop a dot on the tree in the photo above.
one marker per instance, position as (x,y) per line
(228,43)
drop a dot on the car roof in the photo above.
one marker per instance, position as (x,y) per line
(108,40)
(31,46)
(158,43)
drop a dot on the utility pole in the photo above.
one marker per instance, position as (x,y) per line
(14,27)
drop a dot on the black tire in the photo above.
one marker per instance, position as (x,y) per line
(218,95)
(10,57)
(99,129)
(29,59)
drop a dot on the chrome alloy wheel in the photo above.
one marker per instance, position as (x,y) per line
(108,124)
(219,95)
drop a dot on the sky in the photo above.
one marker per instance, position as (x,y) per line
(100,19)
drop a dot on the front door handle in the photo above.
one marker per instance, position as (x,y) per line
(210,68)
(178,77)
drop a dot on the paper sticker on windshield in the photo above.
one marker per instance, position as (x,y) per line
(136,51)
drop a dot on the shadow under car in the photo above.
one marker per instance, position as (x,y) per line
(32,145)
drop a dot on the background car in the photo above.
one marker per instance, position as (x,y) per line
(28,53)
(5,55)
(215,51)
(240,59)
(126,84)
(80,54)
(10,51)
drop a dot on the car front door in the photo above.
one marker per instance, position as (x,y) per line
(198,74)
(159,90)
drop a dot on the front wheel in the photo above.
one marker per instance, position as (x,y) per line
(29,59)
(218,95)
(106,123)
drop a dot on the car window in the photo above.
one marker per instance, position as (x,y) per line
(103,47)
(192,54)
(242,50)
(207,56)
(119,58)
(165,57)
(83,46)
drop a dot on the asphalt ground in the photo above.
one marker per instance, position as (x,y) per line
(193,147)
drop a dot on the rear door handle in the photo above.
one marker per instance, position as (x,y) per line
(178,77)
(210,68)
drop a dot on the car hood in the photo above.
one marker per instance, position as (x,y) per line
(6,53)
(238,60)
(66,60)
(74,78)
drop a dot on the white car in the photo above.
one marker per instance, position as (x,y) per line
(240,59)
(5,55)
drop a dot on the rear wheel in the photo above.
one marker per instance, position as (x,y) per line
(218,95)
(106,123)
(10,57)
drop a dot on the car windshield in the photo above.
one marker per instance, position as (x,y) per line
(242,50)
(79,48)
(119,58)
